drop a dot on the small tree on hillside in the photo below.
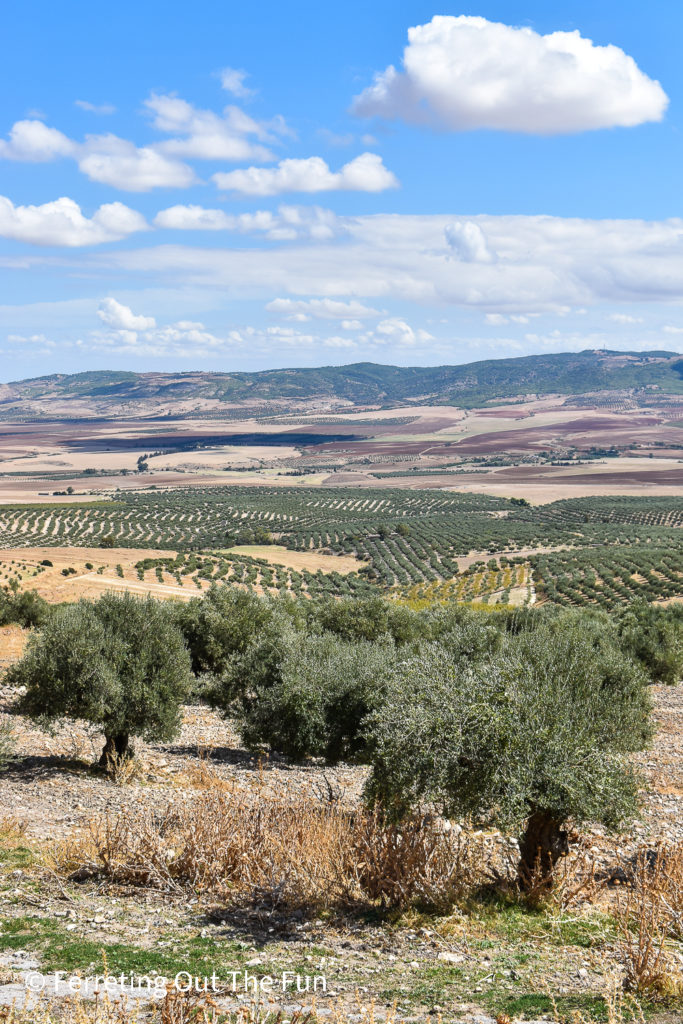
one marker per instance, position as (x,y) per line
(525,740)
(25,607)
(119,663)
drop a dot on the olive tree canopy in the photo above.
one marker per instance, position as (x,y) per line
(525,739)
(119,662)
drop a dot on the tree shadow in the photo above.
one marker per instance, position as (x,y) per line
(236,757)
(34,767)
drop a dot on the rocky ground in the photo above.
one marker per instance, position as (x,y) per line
(489,957)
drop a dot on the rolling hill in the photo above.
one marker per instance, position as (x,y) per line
(467,385)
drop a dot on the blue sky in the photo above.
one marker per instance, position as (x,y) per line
(228,186)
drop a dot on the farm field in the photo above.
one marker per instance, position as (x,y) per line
(294,559)
(541,448)
(414,544)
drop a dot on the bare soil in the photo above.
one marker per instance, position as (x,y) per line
(299,560)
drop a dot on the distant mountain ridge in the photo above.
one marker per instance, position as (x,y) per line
(466,385)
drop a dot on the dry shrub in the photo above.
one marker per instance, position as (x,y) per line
(663,869)
(124,769)
(416,860)
(649,913)
(200,774)
(289,850)
(575,882)
(12,829)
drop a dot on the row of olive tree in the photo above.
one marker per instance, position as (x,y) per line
(518,719)
(521,720)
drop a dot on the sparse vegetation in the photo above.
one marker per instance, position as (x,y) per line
(7,742)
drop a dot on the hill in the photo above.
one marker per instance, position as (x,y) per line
(467,385)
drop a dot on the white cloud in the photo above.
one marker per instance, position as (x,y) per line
(205,135)
(232,80)
(35,142)
(351,325)
(286,224)
(62,223)
(366,173)
(46,344)
(117,162)
(321,309)
(468,242)
(95,108)
(624,318)
(104,158)
(465,72)
(194,218)
(292,222)
(199,134)
(136,335)
(497,319)
(115,314)
(542,265)
(397,330)
(672,329)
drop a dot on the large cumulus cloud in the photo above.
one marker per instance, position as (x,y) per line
(461,73)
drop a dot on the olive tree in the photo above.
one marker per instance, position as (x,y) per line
(220,629)
(25,608)
(364,618)
(119,662)
(530,737)
(653,635)
(316,702)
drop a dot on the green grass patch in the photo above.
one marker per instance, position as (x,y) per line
(13,857)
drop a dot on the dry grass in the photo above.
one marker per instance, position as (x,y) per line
(55,587)
(649,915)
(12,829)
(12,643)
(182,1008)
(276,849)
(299,560)
(125,769)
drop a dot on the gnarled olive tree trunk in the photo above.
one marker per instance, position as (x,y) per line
(542,844)
(116,749)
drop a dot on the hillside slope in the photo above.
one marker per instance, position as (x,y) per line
(467,385)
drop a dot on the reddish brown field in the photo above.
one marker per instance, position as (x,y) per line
(39,458)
